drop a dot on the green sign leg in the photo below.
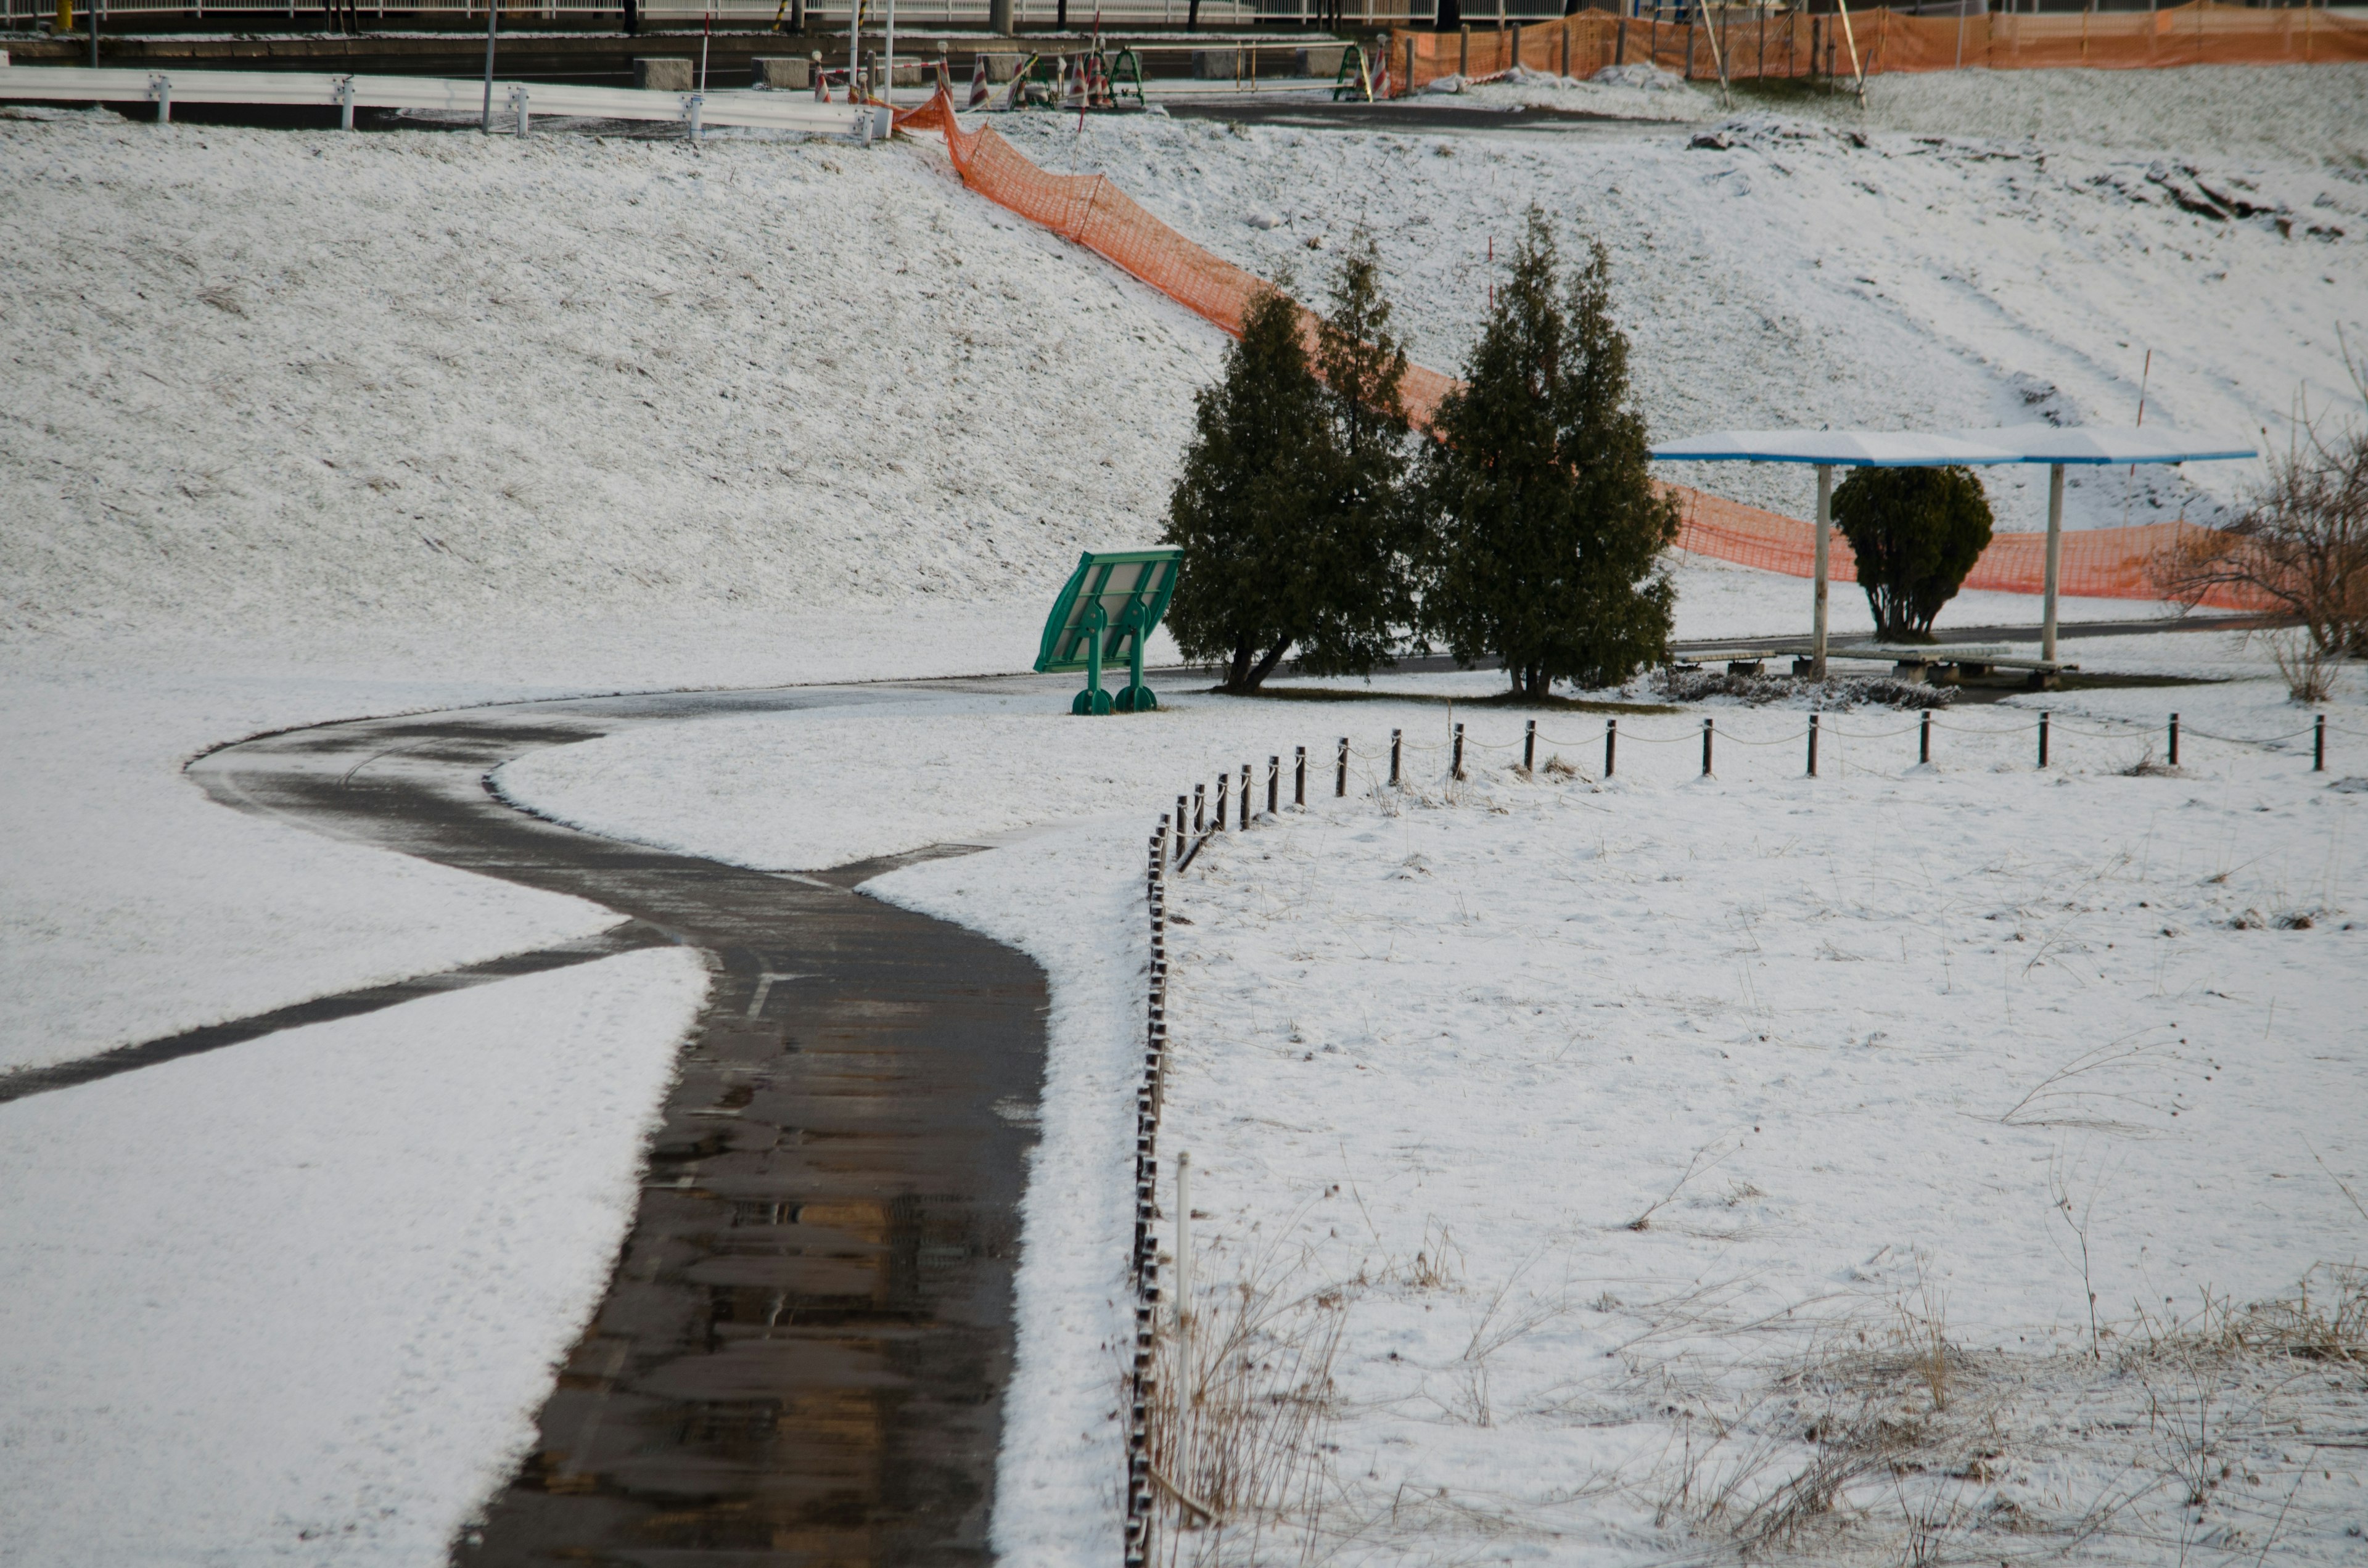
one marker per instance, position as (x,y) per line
(1136,697)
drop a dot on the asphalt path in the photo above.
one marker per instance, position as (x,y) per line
(801,1354)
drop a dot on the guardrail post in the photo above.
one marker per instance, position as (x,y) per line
(345,103)
(1610,745)
(518,107)
(1812,745)
(692,103)
(1530,748)
(1340,782)
(160,89)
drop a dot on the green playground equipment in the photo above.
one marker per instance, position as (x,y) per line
(1106,610)
(1353,80)
(1125,67)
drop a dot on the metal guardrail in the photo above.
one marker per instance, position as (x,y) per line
(514,102)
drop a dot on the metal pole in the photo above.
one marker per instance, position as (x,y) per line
(1340,783)
(1706,733)
(1812,745)
(1299,785)
(1825,547)
(888,84)
(2319,745)
(1530,748)
(492,11)
(2054,559)
(2174,740)
(1924,739)
(2043,738)
(854,65)
(1394,735)
(1610,745)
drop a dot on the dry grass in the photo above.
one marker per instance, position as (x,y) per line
(1238,1413)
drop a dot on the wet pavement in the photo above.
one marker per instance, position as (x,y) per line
(802,1353)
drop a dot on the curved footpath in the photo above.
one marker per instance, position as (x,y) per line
(802,1351)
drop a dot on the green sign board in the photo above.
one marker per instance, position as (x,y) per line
(1106,612)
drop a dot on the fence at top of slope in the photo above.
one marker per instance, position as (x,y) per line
(1092,211)
(1879,42)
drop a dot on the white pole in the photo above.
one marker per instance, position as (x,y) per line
(2054,559)
(492,10)
(854,65)
(888,87)
(1825,534)
(1183,1238)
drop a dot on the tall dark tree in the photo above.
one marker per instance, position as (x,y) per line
(1916,532)
(1547,527)
(1360,555)
(1290,506)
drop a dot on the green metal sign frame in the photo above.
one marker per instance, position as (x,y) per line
(1106,612)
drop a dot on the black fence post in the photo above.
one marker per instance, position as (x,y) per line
(1395,737)
(2042,739)
(1299,781)
(1455,770)
(1530,748)
(1706,733)
(1273,782)
(1924,739)
(2319,745)
(1812,745)
(2174,740)
(1610,745)
(1246,796)
(1340,783)
(1180,827)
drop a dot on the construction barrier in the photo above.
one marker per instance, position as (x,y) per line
(1744,43)
(1089,211)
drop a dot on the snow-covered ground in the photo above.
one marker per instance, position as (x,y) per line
(298,425)
(1562,966)
(1947,272)
(299,1302)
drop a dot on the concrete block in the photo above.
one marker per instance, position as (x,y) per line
(907,74)
(663,74)
(783,71)
(1217,64)
(1323,61)
(1003,67)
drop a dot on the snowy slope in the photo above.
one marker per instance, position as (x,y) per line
(256,377)
(1964,276)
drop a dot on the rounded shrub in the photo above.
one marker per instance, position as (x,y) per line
(1916,532)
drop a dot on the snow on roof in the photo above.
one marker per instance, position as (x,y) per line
(1909,449)
(1849,449)
(2109,444)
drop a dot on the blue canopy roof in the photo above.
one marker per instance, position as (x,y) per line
(1899,448)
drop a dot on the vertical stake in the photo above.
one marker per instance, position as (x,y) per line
(1180,827)
(1610,745)
(1394,735)
(1273,782)
(2043,738)
(1299,783)
(2174,740)
(1340,780)
(1200,807)
(1223,779)
(1456,771)
(1812,745)
(1705,748)
(2319,745)
(1924,739)
(1529,735)
(1246,796)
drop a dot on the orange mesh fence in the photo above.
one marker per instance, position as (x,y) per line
(1751,45)
(1091,211)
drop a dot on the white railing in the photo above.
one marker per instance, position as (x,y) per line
(514,103)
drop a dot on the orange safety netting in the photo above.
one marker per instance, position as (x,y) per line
(1092,211)
(1795,44)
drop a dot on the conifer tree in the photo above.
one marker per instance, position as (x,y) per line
(1290,507)
(1547,526)
(1916,532)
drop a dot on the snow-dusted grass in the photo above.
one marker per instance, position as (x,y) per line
(1948,272)
(299,1302)
(1621,1112)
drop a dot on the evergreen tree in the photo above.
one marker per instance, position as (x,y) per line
(1290,506)
(1916,532)
(1547,526)
(1361,554)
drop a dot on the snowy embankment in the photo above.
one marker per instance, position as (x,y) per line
(1926,266)
(1888,1019)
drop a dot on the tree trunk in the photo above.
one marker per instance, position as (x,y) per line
(1237,672)
(1265,666)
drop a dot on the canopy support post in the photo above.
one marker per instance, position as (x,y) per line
(2054,561)
(1825,535)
